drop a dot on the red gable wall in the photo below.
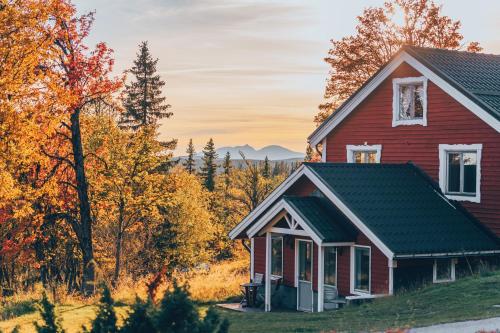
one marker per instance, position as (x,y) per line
(448,122)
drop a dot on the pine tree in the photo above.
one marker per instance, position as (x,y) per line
(209,168)
(139,319)
(105,321)
(51,323)
(227,165)
(190,164)
(177,314)
(266,170)
(143,102)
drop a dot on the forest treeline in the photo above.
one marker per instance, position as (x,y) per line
(88,190)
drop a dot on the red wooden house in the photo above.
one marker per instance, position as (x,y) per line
(408,189)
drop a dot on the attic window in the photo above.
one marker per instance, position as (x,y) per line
(363,153)
(409,101)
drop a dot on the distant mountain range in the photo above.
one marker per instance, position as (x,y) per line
(273,153)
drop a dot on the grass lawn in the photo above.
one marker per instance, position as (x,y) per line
(465,299)
(73,317)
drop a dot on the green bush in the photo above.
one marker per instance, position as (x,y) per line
(105,321)
(139,319)
(16,309)
(51,324)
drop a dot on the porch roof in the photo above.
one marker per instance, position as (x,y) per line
(323,218)
(405,209)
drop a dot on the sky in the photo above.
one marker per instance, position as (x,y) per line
(248,71)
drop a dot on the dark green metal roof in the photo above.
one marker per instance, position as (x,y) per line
(323,218)
(404,208)
(477,75)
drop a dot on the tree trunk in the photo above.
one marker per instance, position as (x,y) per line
(118,244)
(85,225)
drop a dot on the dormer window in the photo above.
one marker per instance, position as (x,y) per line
(409,101)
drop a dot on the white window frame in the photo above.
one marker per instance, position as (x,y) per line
(351,149)
(444,149)
(396,83)
(353,268)
(336,265)
(434,272)
(282,255)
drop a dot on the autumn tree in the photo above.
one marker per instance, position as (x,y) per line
(209,167)
(84,77)
(144,103)
(353,59)
(190,163)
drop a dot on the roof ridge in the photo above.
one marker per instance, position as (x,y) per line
(406,46)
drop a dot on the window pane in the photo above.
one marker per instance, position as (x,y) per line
(330,265)
(305,261)
(371,157)
(405,97)
(443,269)
(453,172)
(277,256)
(362,269)
(470,167)
(365,157)
(418,102)
(358,157)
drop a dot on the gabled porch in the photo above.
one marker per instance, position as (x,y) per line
(292,243)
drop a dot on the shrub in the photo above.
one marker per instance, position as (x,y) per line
(139,319)
(51,323)
(178,314)
(105,321)
(17,308)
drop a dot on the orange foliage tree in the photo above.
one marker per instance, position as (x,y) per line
(354,59)
(82,78)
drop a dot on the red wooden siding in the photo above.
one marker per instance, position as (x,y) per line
(289,261)
(448,122)
(343,270)
(379,267)
(259,255)
(302,187)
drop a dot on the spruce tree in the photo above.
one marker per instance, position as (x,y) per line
(139,319)
(51,324)
(266,170)
(143,102)
(209,168)
(177,313)
(190,164)
(105,321)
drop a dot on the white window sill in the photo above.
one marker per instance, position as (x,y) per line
(456,197)
(421,122)
(361,293)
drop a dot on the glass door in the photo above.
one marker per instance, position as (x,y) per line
(304,292)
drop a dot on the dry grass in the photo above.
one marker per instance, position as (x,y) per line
(219,282)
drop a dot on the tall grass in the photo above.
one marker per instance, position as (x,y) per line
(218,282)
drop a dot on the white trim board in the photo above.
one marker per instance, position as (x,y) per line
(444,149)
(321,132)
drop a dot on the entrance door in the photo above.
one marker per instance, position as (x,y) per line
(304,278)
